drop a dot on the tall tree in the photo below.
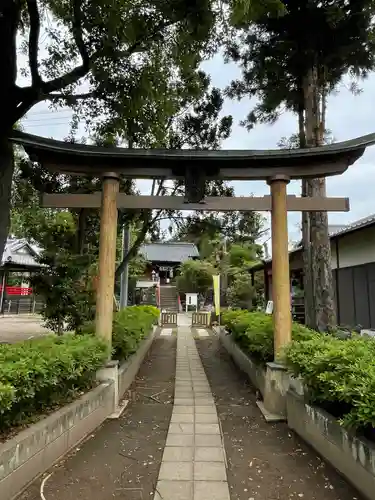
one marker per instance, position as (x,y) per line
(95,45)
(292,61)
(198,125)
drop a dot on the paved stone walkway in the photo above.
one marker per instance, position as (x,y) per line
(193,464)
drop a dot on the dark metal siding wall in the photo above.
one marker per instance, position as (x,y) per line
(356,295)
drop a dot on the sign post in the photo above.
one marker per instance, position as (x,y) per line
(216,280)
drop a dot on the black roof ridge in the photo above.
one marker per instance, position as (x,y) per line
(24,138)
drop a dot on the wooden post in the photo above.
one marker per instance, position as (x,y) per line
(2,294)
(280,264)
(107,257)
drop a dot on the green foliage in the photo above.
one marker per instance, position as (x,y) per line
(339,376)
(238,262)
(7,396)
(253,331)
(135,55)
(208,229)
(246,11)
(140,63)
(336,39)
(64,280)
(201,127)
(38,375)
(130,326)
(195,277)
(294,142)
(241,292)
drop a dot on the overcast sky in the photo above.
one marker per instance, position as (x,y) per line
(348,116)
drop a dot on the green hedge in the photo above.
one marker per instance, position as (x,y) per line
(253,332)
(130,326)
(37,375)
(339,373)
(339,376)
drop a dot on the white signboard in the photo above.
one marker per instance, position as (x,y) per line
(191,300)
(269,308)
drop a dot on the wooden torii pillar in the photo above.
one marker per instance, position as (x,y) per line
(282,315)
(107,257)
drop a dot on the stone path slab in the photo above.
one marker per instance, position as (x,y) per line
(166,332)
(202,332)
(193,465)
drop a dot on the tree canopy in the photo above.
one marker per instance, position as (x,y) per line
(335,37)
(135,60)
(291,58)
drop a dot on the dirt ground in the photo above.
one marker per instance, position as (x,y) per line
(265,462)
(121,460)
(20,327)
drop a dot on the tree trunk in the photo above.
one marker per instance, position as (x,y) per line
(6,174)
(81,234)
(9,19)
(307,275)
(320,306)
(133,250)
(324,310)
(308,281)
(9,92)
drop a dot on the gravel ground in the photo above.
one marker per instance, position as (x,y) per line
(21,327)
(121,460)
(265,462)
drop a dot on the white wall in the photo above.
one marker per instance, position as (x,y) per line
(355,248)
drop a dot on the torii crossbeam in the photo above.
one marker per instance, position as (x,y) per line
(213,204)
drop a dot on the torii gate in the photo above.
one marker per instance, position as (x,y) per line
(277,167)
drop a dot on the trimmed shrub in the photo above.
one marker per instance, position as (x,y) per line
(35,376)
(253,332)
(130,326)
(339,376)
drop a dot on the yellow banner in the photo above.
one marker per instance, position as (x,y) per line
(216,279)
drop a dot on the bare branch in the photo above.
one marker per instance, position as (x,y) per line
(77,30)
(137,44)
(30,97)
(147,224)
(70,98)
(174,217)
(33,11)
(160,187)
(69,78)
(82,70)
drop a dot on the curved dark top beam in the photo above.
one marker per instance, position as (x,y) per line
(82,159)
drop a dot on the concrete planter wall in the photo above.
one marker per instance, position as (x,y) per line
(129,368)
(35,449)
(354,458)
(255,372)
